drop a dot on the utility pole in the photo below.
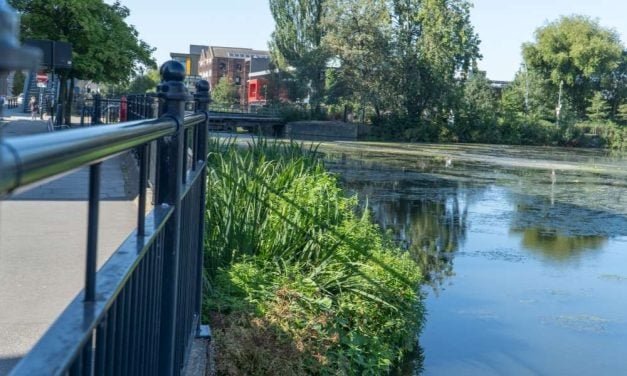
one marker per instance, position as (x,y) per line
(558,109)
(526,88)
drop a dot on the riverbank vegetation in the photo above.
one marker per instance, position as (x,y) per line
(298,283)
(409,69)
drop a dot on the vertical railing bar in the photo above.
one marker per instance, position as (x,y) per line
(158,302)
(143,180)
(145,312)
(150,318)
(185,157)
(141,303)
(173,94)
(202,104)
(119,332)
(154,318)
(101,346)
(87,356)
(111,338)
(92,232)
(128,309)
(133,322)
(195,146)
(77,365)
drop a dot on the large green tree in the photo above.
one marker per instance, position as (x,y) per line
(359,38)
(434,45)
(404,56)
(104,47)
(476,118)
(297,43)
(528,95)
(224,93)
(579,52)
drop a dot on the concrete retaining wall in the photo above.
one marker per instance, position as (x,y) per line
(325,130)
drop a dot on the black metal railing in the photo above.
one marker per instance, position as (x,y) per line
(138,313)
(96,110)
(11,102)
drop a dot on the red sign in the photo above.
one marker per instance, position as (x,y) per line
(42,78)
(123,109)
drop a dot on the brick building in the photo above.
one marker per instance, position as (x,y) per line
(231,62)
(190,61)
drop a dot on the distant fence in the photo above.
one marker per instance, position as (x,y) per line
(138,314)
(97,110)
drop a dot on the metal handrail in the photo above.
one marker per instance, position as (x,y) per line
(27,160)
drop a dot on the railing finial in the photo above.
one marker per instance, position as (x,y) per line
(202,96)
(172,87)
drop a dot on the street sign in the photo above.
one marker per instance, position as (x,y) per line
(42,78)
(41,84)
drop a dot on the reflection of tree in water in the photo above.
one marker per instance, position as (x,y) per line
(426,215)
(431,228)
(561,231)
(551,244)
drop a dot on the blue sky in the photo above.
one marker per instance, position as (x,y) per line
(502,25)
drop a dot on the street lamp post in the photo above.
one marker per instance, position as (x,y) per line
(12,55)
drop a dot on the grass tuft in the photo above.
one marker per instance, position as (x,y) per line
(290,267)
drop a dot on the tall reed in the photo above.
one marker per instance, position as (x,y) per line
(283,244)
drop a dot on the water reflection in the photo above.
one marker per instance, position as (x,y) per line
(426,215)
(553,245)
(561,232)
(484,211)
(431,228)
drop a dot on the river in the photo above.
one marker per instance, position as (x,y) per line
(525,251)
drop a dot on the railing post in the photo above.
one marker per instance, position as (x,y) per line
(95,120)
(202,100)
(172,94)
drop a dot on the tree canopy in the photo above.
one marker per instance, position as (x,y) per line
(297,42)
(225,93)
(578,51)
(104,47)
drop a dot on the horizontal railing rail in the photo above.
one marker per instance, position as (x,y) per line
(27,160)
(138,313)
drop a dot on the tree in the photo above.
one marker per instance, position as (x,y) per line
(599,109)
(434,45)
(224,93)
(18,83)
(297,42)
(577,51)
(104,48)
(529,94)
(622,113)
(477,117)
(145,83)
(358,36)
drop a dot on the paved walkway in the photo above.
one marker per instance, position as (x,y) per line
(42,246)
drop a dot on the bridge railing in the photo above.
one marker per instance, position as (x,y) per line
(138,314)
(237,109)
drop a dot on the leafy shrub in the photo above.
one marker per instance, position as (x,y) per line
(286,254)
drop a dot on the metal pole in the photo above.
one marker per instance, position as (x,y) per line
(97,109)
(173,95)
(92,232)
(202,99)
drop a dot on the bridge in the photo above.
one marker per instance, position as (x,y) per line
(262,121)
(98,110)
